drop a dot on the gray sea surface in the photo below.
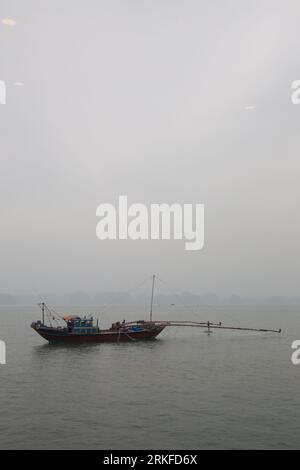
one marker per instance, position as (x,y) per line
(184,390)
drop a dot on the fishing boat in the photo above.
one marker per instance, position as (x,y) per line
(83,330)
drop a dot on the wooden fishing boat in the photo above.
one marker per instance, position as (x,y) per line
(80,330)
(83,330)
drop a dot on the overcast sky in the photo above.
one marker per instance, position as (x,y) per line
(164,101)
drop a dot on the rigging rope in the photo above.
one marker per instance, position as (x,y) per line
(108,305)
(178,297)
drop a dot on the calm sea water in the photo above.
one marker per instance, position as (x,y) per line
(230,390)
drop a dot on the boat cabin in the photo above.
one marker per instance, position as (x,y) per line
(78,325)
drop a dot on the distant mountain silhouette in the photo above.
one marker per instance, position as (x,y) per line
(7,299)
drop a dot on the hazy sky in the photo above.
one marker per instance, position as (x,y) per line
(150,98)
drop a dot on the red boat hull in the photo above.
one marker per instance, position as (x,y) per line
(105,336)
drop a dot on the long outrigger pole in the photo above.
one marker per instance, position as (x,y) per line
(217,326)
(207,324)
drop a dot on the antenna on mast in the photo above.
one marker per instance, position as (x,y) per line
(151,307)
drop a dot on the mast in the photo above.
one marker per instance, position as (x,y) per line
(151,306)
(43,312)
